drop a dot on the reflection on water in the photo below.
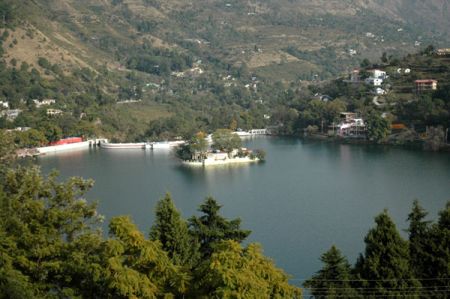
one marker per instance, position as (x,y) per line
(304,198)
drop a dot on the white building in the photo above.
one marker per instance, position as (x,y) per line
(46,102)
(380,91)
(4,104)
(11,114)
(52,112)
(374,81)
(377,74)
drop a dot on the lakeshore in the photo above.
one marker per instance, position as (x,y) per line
(285,201)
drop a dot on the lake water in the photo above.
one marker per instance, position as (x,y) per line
(304,198)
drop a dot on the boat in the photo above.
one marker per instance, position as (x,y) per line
(108,145)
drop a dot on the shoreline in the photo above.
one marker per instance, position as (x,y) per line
(414,145)
(211,162)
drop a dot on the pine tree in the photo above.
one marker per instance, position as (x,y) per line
(235,272)
(419,241)
(384,268)
(212,227)
(439,267)
(173,233)
(334,279)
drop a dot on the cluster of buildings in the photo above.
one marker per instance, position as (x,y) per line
(12,114)
(350,125)
(377,78)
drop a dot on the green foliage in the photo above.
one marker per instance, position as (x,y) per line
(236,272)
(30,138)
(226,140)
(6,149)
(418,240)
(260,154)
(211,227)
(49,232)
(138,268)
(437,256)
(51,247)
(44,63)
(334,279)
(173,233)
(195,148)
(384,269)
(377,127)
(390,266)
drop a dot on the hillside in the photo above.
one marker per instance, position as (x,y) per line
(310,37)
(193,65)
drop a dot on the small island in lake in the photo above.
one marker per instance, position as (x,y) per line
(225,147)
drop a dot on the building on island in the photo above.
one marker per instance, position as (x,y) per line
(425,85)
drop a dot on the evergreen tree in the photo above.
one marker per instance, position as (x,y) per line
(419,241)
(334,279)
(384,268)
(236,272)
(137,268)
(438,274)
(212,227)
(173,233)
(48,241)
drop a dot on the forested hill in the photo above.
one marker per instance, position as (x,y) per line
(198,65)
(305,37)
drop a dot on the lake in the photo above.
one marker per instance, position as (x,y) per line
(304,198)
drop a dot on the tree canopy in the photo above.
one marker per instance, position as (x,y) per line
(52,246)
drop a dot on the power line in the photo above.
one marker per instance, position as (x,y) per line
(353,280)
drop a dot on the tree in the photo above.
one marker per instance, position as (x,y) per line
(438,272)
(226,140)
(418,241)
(236,272)
(334,279)
(6,149)
(48,235)
(137,268)
(377,127)
(52,132)
(211,228)
(173,233)
(365,63)
(195,149)
(30,138)
(384,268)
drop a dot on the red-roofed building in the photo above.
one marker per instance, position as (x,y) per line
(425,85)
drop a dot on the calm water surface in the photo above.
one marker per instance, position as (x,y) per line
(304,198)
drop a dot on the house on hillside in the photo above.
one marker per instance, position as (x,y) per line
(425,85)
(374,81)
(355,76)
(4,104)
(45,102)
(377,74)
(52,112)
(10,114)
(350,126)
